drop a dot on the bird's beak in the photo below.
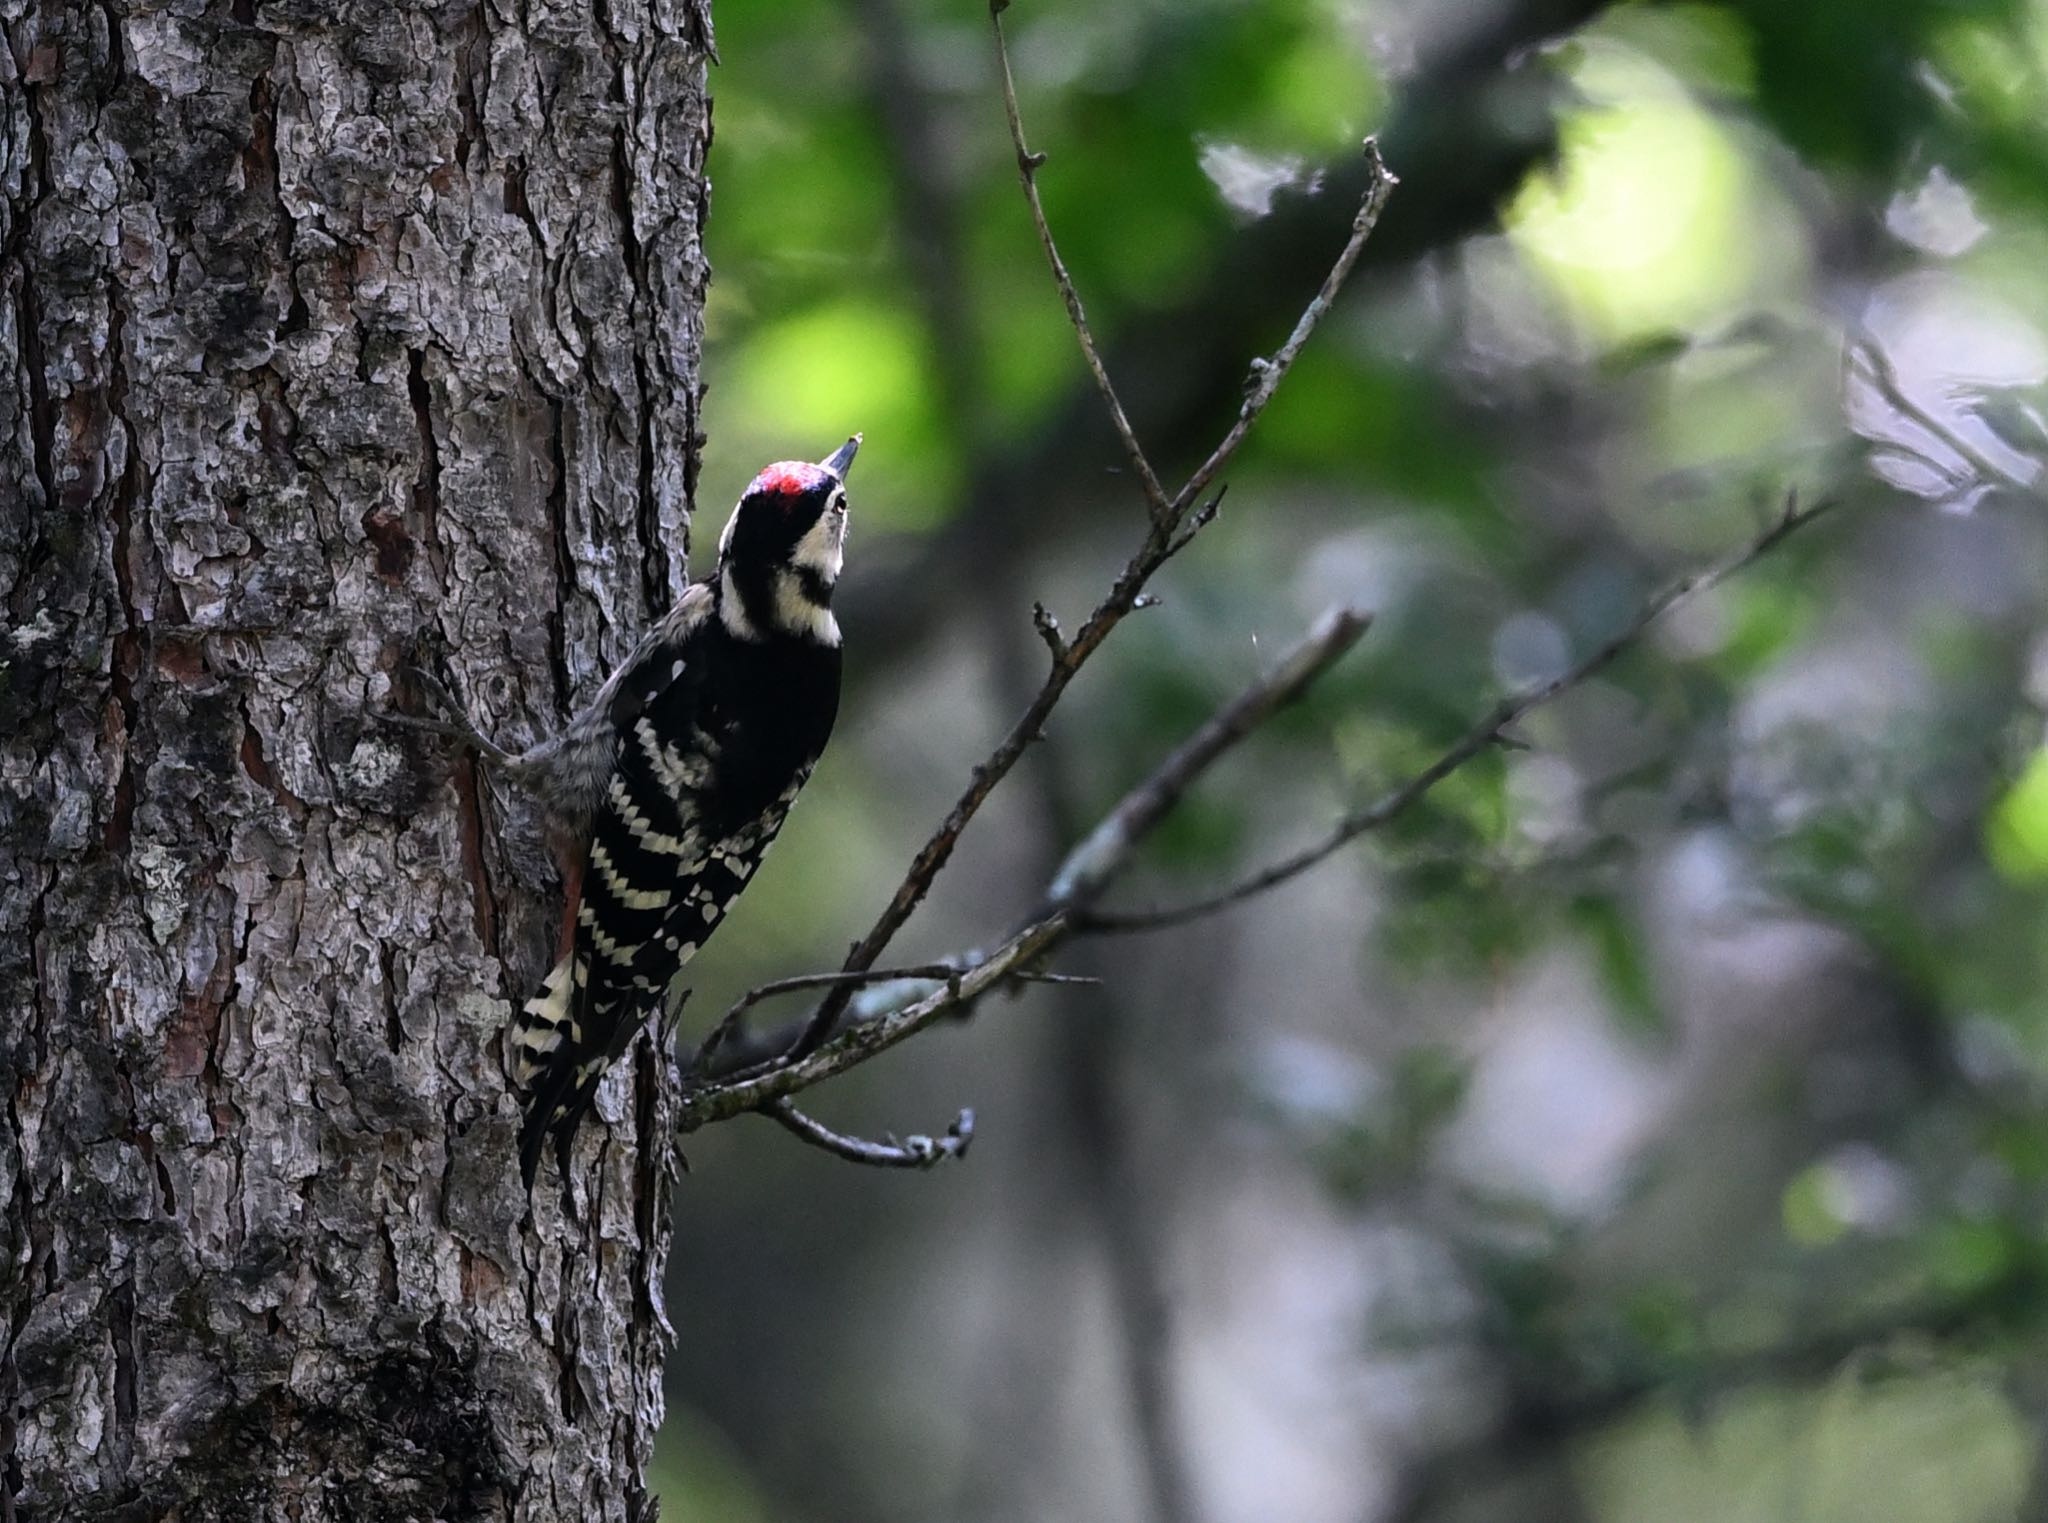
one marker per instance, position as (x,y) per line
(841,459)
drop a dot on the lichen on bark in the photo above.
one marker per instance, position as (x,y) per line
(334,337)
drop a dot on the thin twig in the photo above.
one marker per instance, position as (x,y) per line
(721,1099)
(723,1035)
(1027,171)
(1268,374)
(1199,520)
(1483,735)
(916,1152)
(730,1022)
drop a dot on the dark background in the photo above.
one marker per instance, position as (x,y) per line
(1647,1126)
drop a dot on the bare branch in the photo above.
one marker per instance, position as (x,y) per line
(1124,596)
(1027,171)
(915,1152)
(1268,374)
(1486,733)
(1087,870)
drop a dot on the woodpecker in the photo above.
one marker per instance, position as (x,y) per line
(664,792)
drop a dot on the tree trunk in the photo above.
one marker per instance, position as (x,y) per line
(334,337)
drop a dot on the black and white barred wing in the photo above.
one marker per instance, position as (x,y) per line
(646,848)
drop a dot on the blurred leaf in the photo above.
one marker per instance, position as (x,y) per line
(1642,222)
(1766,618)
(1372,427)
(1646,351)
(1998,82)
(1808,1209)
(1430,1083)
(1704,44)
(2021,1144)
(1964,1256)
(1361,1138)
(2017,833)
(1320,90)
(1664,1321)
(1202,833)
(1623,962)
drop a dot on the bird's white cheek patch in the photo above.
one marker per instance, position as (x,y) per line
(822,549)
(795,612)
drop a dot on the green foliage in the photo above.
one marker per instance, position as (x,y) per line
(1622,957)
(1363,1155)
(2017,833)
(1551,414)
(1932,1449)
(700,1477)
(1797,48)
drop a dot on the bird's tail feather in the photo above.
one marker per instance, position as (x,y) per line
(548,1022)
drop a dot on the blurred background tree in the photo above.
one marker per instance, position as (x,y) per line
(1646,1126)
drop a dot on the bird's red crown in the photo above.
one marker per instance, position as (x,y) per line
(791,478)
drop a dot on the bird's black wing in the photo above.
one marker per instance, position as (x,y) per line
(645,848)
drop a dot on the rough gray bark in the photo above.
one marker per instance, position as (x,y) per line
(333,336)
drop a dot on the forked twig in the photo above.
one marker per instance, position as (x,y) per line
(1267,374)
(1167,534)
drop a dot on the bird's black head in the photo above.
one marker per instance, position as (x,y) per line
(780,555)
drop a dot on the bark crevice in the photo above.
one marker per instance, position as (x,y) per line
(323,349)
